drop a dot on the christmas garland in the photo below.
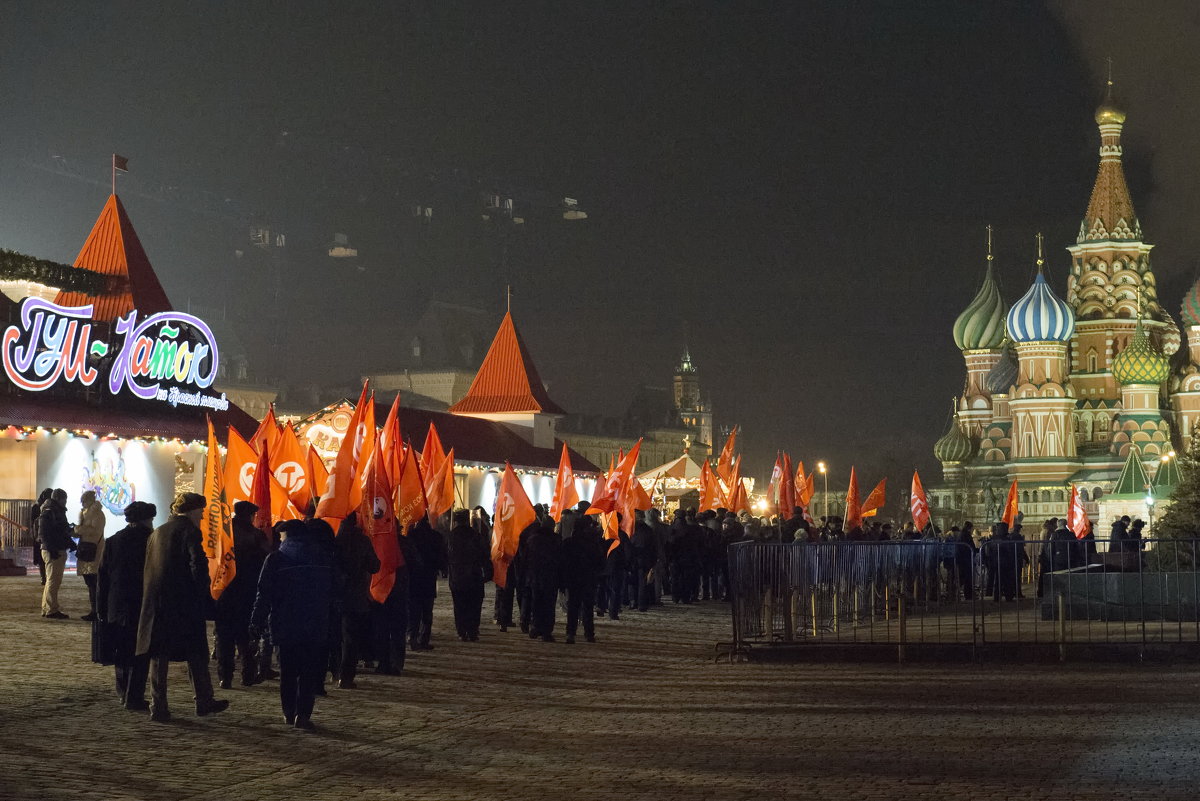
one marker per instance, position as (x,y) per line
(19,267)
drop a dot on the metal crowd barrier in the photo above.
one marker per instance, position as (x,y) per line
(14,523)
(1055,595)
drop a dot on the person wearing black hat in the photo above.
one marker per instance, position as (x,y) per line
(172,625)
(250,548)
(54,533)
(423,573)
(469,565)
(295,596)
(119,603)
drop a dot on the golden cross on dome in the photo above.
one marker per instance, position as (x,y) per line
(1109,60)
(1040,259)
(989,240)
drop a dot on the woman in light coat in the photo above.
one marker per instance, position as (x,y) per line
(90,530)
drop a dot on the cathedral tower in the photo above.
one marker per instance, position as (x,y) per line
(979,334)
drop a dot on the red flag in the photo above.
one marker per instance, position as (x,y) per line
(1010,506)
(338,495)
(513,514)
(776,482)
(289,465)
(710,490)
(787,488)
(725,463)
(260,492)
(268,432)
(565,494)
(1077,516)
(919,504)
(411,505)
(601,483)
(738,500)
(216,527)
(375,516)
(853,518)
(616,484)
(875,500)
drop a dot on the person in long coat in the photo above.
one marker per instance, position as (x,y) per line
(90,532)
(544,577)
(176,597)
(358,562)
(295,594)
(119,585)
(469,565)
(583,549)
(430,546)
(250,549)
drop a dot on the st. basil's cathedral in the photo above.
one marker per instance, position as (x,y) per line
(1091,391)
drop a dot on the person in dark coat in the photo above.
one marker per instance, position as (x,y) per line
(358,561)
(1119,542)
(175,599)
(119,602)
(295,594)
(35,513)
(582,566)
(55,534)
(469,565)
(616,568)
(543,574)
(644,554)
(964,559)
(250,549)
(685,565)
(423,574)
(389,620)
(520,576)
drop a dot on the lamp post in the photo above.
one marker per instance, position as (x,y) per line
(825,475)
(1150,513)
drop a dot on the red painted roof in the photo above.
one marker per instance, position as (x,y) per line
(507,381)
(113,248)
(145,419)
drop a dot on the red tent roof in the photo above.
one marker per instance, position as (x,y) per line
(507,380)
(113,249)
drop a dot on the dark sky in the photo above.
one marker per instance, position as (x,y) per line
(802,187)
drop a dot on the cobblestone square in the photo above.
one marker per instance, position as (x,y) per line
(644,713)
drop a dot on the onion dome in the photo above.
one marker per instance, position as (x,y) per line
(1003,374)
(981,325)
(1040,315)
(1140,363)
(1108,113)
(1191,305)
(954,446)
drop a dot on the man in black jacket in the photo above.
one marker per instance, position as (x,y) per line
(582,564)
(423,573)
(645,557)
(119,602)
(172,625)
(250,548)
(543,577)
(469,566)
(358,562)
(55,534)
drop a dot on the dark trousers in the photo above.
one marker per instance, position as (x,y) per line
(468,607)
(231,636)
(301,666)
(684,579)
(581,598)
(504,605)
(129,671)
(965,579)
(389,623)
(525,602)
(616,587)
(645,591)
(602,593)
(356,629)
(544,599)
(90,580)
(197,662)
(420,621)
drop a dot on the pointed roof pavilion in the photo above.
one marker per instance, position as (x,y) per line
(1133,483)
(507,381)
(113,249)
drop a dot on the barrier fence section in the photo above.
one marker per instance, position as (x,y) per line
(1056,592)
(14,523)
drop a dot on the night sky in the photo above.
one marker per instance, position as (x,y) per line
(802,188)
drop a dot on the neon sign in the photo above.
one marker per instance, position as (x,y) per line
(169,356)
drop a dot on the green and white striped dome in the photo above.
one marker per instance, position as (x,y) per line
(981,325)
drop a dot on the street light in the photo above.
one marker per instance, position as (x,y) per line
(825,474)
(1150,511)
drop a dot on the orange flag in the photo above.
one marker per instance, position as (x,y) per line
(1077,516)
(776,482)
(375,516)
(513,515)
(260,491)
(289,465)
(268,431)
(725,463)
(433,454)
(411,505)
(240,463)
(216,527)
(337,496)
(1010,506)
(440,487)
(787,488)
(919,504)
(853,518)
(565,494)
(738,501)
(616,485)
(390,443)
(875,500)
(369,436)
(318,474)
(710,491)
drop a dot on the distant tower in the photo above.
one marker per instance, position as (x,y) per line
(979,334)
(1141,370)
(1040,324)
(693,411)
(1185,395)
